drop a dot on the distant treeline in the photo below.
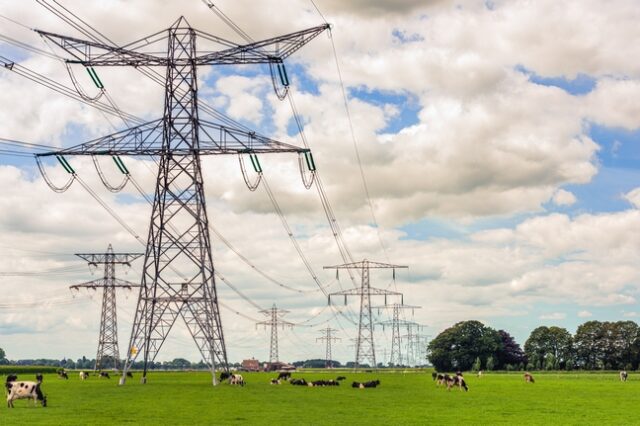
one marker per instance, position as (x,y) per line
(596,345)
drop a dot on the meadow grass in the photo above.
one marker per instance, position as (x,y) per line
(187,398)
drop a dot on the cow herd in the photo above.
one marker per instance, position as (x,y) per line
(237,379)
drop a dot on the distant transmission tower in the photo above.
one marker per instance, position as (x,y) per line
(108,339)
(414,339)
(178,275)
(396,323)
(327,336)
(275,319)
(365,348)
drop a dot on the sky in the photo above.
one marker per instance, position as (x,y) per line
(498,141)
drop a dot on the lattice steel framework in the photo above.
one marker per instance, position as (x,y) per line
(365,347)
(328,338)
(395,324)
(415,339)
(178,277)
(275,319)
(108,338)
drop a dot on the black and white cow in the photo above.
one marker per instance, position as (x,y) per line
(298,382)
(284,375)
(339,378)
(236,379)
(104,374)
(62,374)
(275,381)
(83,375)
(457,380)
(24,390)
(369,384)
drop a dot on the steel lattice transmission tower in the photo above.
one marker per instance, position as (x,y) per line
(414,341)
(178,274)
(327,336)
(396,323)
(275,319)
(365,348)
(108,339)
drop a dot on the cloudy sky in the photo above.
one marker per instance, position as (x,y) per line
(498,140)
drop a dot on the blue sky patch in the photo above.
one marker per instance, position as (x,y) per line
(408,106)
(581,85)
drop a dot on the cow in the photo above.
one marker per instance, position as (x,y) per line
(285,375)
(339,378)
(323,383)
(83,375)
(369,384)
(62,374)
(24,390)
(623,376)
(104,374)
(479,374)
(275,381)
(236,379)
(528,378)
(457,380)
(298,382)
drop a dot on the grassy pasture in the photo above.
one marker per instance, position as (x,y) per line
(412,398)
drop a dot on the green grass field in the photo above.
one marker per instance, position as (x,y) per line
(412,398)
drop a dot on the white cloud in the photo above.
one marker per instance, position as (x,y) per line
(633,197)
(584,314)
(553,316)
(564,198)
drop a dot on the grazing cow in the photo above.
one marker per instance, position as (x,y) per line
(62,374)
(275,381)
(24,390)
(456,380)
(129,374)
(298,382)
(224,375)
(83,375)
(623,376)
(285,375)
(370,384)
(104,374)
(528,378)
(479,374)
(341,378)
(236,379)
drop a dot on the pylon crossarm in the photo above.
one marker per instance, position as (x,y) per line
(366,264)
(100,283)
(271,50)
(91,53)
(218,139)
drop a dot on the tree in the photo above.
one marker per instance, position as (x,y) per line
(510,353)
(457,347)
(477,365)
(490,364)
(545,341)
(2,354)
(588,342)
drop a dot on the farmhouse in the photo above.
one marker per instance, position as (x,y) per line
(279,366)
(250,365)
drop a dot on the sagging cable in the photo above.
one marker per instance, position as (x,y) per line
(307,158)
(67,167)
(281,84)
(79,88)
(256,167)
(121,167)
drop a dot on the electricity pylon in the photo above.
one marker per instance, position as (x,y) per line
(414,340)
(365,348)
(178,274)
(108,338)
(327,336)
(396,323)
(275,319)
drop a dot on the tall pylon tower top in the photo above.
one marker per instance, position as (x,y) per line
(275,320)
(178,275)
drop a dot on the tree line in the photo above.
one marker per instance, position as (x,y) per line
(596,345)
